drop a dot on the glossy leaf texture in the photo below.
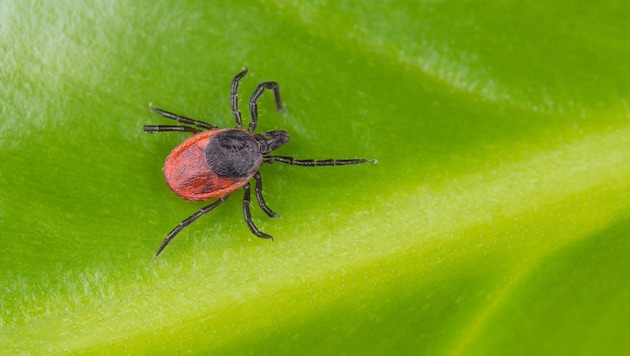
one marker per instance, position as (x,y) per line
(495,222)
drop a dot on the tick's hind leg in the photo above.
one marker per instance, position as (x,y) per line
(259,196)
(182,119)
(171,235)
(164,128)
(248,215)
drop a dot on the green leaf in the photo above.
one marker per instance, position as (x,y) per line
(495,222)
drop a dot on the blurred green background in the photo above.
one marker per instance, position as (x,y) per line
(496,221)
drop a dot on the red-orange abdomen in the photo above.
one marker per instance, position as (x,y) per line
(212,164)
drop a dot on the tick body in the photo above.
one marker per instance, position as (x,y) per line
(214,163)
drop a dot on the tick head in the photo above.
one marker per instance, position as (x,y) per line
(271,140)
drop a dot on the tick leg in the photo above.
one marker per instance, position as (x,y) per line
(234,97)
(248,215)
(171,235)
(316,163)
(259,196)
(181,119)
(163,128)
(253,105)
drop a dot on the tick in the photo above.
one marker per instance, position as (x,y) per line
(215,162)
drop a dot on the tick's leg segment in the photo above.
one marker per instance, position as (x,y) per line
(171,235)
(253,106)
(259,196)
(316,163)
(163,128)
(182,119)
(248,215)
(234,97)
